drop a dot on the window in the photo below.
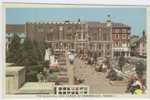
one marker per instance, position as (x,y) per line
(51,30)
(113,30)
(41,30)
(79,36)
(108,53)
(60,28)
(108,46)
(117,36)
(84,36)
(129,31)
(124,30)
(100,29)
(104,37)
(100,46)
(100,54)
(120,44)
(117,44)
(124,44)
(124,36)
(69,28)
(116,30)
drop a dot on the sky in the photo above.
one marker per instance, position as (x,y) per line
(134,17)
(114,2)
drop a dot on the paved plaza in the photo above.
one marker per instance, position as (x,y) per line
(95,80)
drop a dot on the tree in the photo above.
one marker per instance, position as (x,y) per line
(133,44)
(140,68)
(14,50)
(27,53)
(32,58)
(40,49)
(32,53)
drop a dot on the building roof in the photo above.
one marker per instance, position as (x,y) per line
(20,28)
(16,28)
(115,24)
(142,39)
(93,22)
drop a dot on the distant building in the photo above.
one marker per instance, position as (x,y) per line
(93,36)
(120,36)
(106,38)
(133,45)
(141,45)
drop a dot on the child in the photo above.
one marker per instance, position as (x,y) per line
(138,90)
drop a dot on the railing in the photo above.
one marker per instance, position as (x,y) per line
(71,90)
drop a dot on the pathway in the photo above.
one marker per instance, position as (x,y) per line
(96,80)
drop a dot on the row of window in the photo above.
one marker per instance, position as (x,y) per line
(120,36)
(95,46)
(120,30)
(100,46)
(114,30)
(120,44)
(60,28)
(69,36)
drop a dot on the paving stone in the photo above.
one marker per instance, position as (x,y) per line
(96,80)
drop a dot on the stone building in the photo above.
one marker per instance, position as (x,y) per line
(121,41)
(106,38)
(85,36)
(134,44)
(141,45)
(15,78)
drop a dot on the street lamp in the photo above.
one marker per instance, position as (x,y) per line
(61,45)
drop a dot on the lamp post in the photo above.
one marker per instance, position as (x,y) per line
(61,46)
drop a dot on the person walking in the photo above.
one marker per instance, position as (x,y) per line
(40,77)
(71,57)
(95,57)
